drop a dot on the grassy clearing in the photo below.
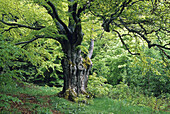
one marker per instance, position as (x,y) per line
(28,98)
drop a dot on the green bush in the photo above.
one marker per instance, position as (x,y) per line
(13,63)
(110,60)
(49,71)
(38,65)
(97,86)
(149,73)
(135,96)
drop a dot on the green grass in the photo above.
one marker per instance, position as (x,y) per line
(30,89)
(101,106)
(29,98)
(107,105)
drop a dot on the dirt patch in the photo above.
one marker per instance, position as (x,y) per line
(30,103)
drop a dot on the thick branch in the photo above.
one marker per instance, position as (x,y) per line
(20,25)
(153,45)
(74,19)
(81,10)
(72,10)
(55,15)
(91,48)
(166,44)
(27,42)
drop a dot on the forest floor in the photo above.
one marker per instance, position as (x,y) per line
(30,99)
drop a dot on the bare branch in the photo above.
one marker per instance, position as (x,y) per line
(166,44)
(168,31)
(142,28)
(91,48)
(101,35)
(96,14)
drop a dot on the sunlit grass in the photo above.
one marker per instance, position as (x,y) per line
(45,100)
(30,89)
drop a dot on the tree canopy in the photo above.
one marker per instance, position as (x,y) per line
(146,20)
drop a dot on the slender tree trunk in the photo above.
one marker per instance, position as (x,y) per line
(76,70)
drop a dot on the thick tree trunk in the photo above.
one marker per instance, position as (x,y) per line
(76,70)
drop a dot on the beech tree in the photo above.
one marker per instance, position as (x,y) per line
(61,20)
(69,34)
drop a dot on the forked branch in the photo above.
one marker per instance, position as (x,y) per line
(54,15)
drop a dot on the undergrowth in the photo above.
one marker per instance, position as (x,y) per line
(133,96)
(29,98)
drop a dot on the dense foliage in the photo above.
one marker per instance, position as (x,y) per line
(38,66)
(150,73)
(130,56)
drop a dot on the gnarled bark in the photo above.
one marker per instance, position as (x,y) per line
(76,70)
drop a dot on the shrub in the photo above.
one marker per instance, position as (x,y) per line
(148,72)
(98,86)
(30,65)
(135,96)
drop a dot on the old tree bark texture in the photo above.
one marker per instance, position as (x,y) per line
(76,70)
